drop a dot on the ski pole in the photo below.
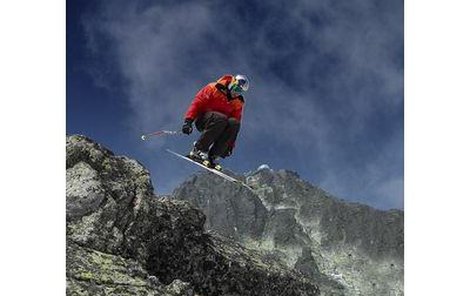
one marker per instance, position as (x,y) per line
(160,133)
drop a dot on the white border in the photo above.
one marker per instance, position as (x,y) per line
(32,130)
(32,126)
(437,147)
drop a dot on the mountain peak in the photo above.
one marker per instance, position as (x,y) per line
(286,215)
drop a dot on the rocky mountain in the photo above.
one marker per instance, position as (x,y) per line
(347,248)
(124,240)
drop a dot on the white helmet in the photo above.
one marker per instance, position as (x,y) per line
(239,84)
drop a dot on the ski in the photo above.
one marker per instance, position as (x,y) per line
(214,171)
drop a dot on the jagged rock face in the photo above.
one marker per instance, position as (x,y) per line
(106,195)
(122,240)
(350,249)
(379,233)
(90,272)
(232,212)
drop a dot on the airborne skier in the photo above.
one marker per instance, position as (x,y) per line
(216,111)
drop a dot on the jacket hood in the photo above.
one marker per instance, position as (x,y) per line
(225,80)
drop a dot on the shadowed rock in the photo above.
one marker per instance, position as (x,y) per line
(122,240)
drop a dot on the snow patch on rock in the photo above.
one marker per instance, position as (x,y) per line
(263,167)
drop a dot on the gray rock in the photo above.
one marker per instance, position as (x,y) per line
(90,272)
(306,263)
(284,229)
(233,211)
(122,240)
(179,288)
(84,191)
(351,246)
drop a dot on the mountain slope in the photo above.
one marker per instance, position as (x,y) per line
(349,248)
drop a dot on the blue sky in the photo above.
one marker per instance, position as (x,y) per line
(326,97)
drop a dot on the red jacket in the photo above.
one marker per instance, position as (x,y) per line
(213,97)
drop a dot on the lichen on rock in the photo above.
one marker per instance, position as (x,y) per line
(123,240)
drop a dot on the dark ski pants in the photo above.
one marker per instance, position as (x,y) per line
(216,130)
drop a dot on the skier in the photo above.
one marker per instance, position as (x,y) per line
(216,111)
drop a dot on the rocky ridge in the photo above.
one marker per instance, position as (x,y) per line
(348,248)
(123,240)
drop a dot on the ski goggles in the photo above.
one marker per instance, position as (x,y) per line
(239,86)
(236,89)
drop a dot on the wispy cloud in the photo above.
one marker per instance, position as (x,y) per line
(321,74)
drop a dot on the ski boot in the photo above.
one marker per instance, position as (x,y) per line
(198,155)
(211,162)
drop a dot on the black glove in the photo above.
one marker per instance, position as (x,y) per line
(187,126)
(228,152)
